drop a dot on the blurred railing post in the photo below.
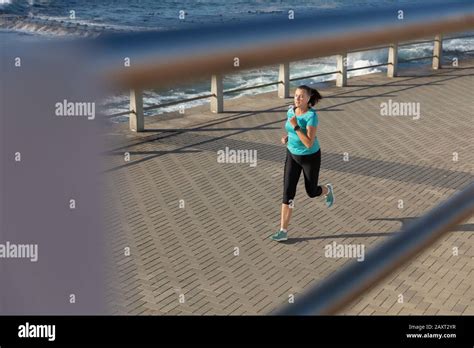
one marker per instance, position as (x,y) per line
(438,51)
(136,118)
(217,90)
(341,78)
(284,80)
(392,66)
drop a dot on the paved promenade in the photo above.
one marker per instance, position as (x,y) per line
(183,214)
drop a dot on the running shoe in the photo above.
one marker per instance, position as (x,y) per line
(280,236)
(330,196)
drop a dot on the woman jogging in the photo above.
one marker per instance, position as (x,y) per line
(302,154)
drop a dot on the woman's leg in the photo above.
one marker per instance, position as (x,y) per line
(292,174)
(311,165)
(285,216)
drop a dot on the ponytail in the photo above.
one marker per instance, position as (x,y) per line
(314,98)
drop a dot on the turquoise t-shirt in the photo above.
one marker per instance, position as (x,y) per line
(295,145)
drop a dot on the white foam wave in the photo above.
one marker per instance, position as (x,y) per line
(62,26)
(95,24)
(466,44)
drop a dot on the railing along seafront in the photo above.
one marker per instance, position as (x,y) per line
(172,57)
(167,58)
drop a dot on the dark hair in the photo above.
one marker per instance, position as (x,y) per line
(314,96)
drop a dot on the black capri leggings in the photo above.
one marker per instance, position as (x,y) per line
(310,165)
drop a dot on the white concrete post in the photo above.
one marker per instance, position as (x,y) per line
(217,100)
(392,67)
(284,81)
(341,77)
(438,52)
(136,118)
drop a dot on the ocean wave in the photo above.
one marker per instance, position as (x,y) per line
(65,20)
(13,7)
(459,45)
(64,26)
(51,27)
(4,3)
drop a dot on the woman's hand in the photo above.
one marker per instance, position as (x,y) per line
(284,139)
(293,121)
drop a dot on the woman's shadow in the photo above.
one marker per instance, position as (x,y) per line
(405,221)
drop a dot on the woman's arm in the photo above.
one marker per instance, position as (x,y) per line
(308,138)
